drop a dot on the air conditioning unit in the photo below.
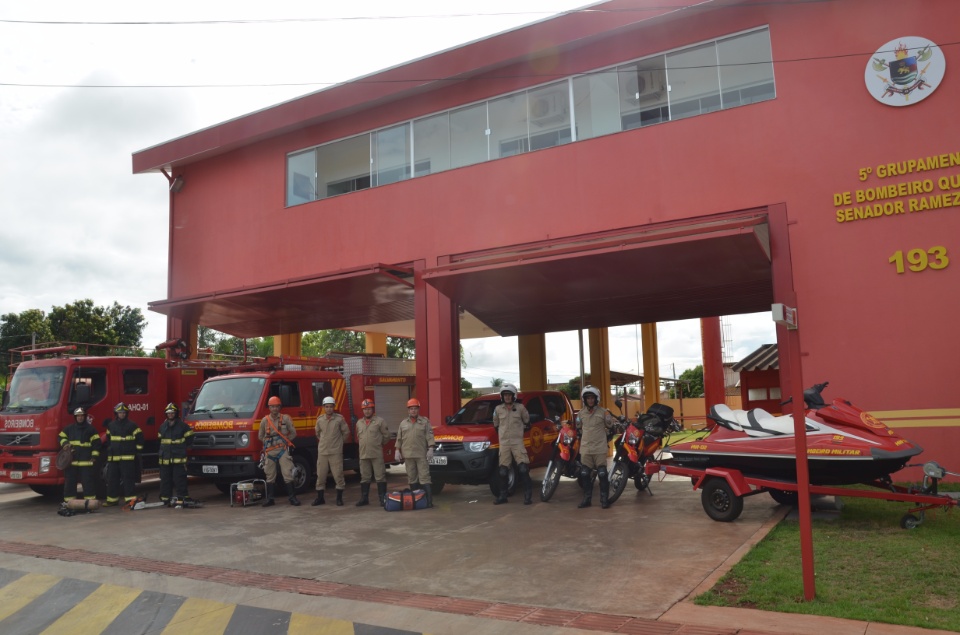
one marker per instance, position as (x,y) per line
(647,86)
(548,109)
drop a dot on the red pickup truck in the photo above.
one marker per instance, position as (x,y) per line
(468,449)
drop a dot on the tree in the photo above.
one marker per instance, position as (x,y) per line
(692,379)
(572,387)
(17,329)
(466,390)
(497,382)
(320,343)
(401,347)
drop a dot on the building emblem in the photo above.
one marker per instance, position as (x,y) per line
(905,71)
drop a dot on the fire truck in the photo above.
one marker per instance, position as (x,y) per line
(227,412)
(52,381)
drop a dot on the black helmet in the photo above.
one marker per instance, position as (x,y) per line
(121,407)
(171,407)
(664,413)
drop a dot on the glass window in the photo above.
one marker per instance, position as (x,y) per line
(468,135)
(135,381)
(302,177)
(508,125)
(746,69)
(693,80)
(757,394)
(643,93)
(343,166)
(556,407)
(431,144)
(321,389)
(89,387)
(549,108)
(230,397)
(596,98)
(391,161)
(288,391)
(775,392)
(535,407)
(36,387)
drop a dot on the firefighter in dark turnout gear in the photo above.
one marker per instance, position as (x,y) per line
(85,441)
(175,437)
(124,444)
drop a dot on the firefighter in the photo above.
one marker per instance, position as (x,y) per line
(175,437)
(276,434)
(85,441)
(415,448)
(332,431)
(372,435)
(124,445)
(510,420)
(594,423)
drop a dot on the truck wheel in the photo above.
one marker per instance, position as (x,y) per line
(438,485)
(48,491)
(301,474)
(511,481)
(618,481)
(223,488)
(719,501)
(550,480)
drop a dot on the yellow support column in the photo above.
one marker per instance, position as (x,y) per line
(288,344)
(599,340)
(376,343)
(651,364)
(533,362)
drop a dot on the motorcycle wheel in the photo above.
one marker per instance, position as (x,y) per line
(551,479)
(641,481)
(618,480)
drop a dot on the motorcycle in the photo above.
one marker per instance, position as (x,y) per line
(565,460)
(638,442)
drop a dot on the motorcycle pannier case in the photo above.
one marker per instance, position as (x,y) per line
(406,499)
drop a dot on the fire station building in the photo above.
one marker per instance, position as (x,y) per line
(640,161)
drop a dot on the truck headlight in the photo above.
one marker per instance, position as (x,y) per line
(243,440)
(44,464)
(477,446)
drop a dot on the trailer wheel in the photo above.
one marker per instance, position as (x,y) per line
(784,497)
(909,521)
(719,501)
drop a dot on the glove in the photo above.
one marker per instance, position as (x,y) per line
(397,456)
(429,453)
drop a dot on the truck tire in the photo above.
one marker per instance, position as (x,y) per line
(438,485)
(511,481)
(719,501)
(223,488)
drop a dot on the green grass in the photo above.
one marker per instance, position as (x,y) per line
(867,568)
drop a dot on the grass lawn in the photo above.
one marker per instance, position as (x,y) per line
(867,568)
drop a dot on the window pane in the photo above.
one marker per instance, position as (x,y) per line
(596,98)
(343,166)
(135,382)
(746,69)
(508,125)
(468,136)
(694,84)
(392,158)
(643,93)
(757,394)
(549,108)
(775,392)
(301,177)
(431,144)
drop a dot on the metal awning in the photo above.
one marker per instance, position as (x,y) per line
(707,267)
(371,294)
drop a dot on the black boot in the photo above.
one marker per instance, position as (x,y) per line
(339,498)
(504,484)
(319,499)
(293,495)
(524,470)
(414,486)
(604,489)
(382,492)
(269,502)
(429,490)
(587,480)
(364,495)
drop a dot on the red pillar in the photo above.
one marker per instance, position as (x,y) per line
(714,390)
(437,349)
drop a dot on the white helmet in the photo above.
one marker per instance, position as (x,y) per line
(329,400)
(590,390)
(509,388)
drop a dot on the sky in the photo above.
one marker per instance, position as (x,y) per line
(84,85)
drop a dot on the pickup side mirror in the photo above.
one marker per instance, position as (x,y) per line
(449,419)
(618,403)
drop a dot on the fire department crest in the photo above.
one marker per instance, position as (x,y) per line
(905,71)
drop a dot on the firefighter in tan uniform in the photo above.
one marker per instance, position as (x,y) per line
(332,430)
(594,423)
(276,434)
(372,435)
(415,448)
(510,420)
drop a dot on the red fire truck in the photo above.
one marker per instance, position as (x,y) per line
(227,412)
(52,381)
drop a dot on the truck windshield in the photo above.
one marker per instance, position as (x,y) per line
(230,397)
(476,411)
(35,388)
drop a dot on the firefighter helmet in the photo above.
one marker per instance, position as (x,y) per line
(171,407)
(329,400)
(590,390)
(367,403)
(121,407)
(274,401)
(79,411)
(510,388)
(413,403)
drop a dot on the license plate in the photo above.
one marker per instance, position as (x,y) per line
(19,475)
(211,469)
(438,460)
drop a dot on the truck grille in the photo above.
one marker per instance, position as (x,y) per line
(215,440)
(10,439)
(448,446)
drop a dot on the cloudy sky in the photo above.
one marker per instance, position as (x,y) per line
(84,85)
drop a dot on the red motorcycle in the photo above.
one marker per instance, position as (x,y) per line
(638,442)
(565,460)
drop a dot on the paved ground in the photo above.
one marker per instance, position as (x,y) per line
(465,566)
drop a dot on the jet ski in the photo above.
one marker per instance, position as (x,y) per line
(845,445)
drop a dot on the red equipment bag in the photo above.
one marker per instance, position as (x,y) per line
(406,499)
